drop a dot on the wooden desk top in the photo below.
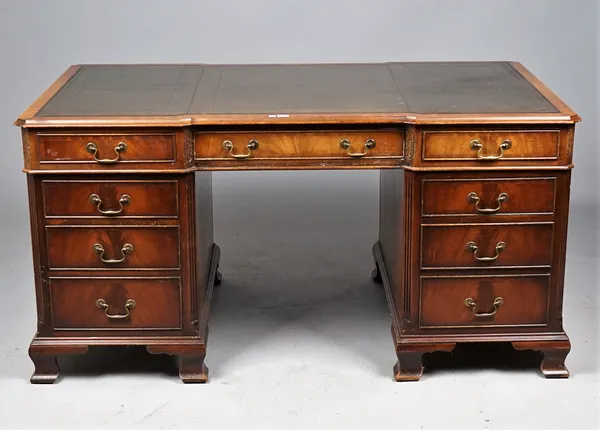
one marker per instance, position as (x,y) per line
(178,95)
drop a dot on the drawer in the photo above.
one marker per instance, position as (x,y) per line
(110,198)
(483,146)
(481,246)
(103,150)
(488,196)
(116,303)
(459,302)
(112,248)
(299,145)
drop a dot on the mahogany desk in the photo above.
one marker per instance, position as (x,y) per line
(475,163)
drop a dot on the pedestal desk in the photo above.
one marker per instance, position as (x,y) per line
(475,162)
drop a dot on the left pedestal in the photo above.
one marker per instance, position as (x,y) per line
(122,259)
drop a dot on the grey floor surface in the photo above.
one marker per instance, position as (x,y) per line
(300,336)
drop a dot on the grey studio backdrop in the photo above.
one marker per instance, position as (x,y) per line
(298,332)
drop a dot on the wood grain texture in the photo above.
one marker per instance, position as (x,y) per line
(439,274)
(72,148)
(173,120)
(299,145)
(168,313)
(446,246)
(455,145)
(128,150)
(525,301)
(157,303)
(143,198)
(526,195)
(72,247)
(500,147)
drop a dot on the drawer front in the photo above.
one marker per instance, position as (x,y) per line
(488,196)
(116,303)
(458,302)
(110,198)
(489,145)
(112,248)
(299,145)
(104,150)
(481,246)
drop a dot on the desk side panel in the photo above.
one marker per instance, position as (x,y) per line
(394,190)
(202,231)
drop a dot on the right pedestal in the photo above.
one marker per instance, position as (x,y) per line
(473,257)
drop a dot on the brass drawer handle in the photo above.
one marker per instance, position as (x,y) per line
(126,250)
(252,144)
(472,247)
(474,198)
(129,304)
(124,200)
(470,303)
(93,149)
(476,144)
(369,143)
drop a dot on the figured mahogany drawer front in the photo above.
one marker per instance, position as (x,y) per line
(474,301)
(104,150)
(488,196)
(115,303)
(299,145)
(490,145)
(110,198)
(113,248)
(486,245)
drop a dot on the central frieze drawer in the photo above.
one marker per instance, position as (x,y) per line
(481,246)
(116,303)
(299,145)
(113,248)
(110,198)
